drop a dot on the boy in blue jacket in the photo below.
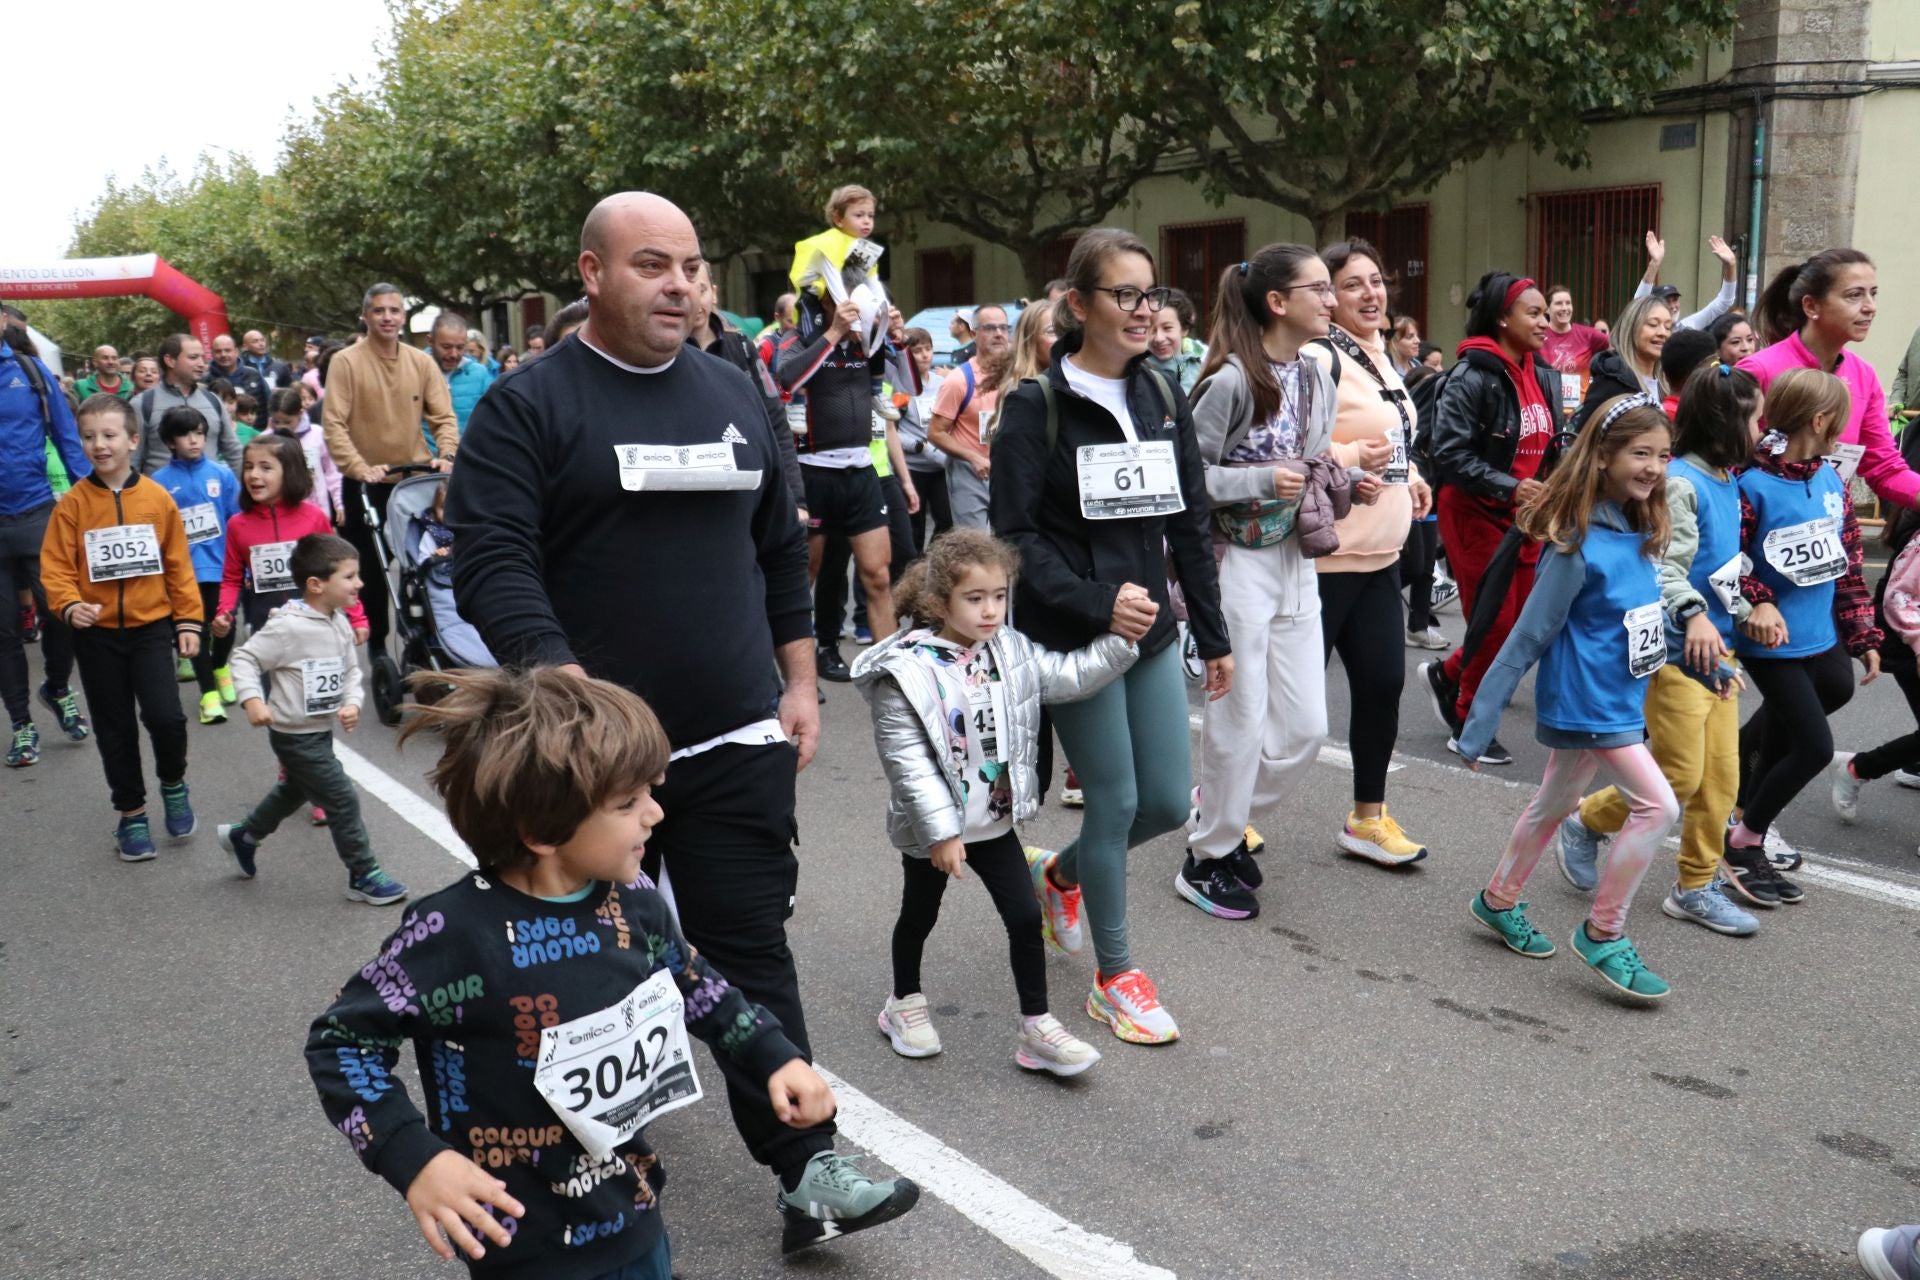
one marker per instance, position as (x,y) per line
(208,495)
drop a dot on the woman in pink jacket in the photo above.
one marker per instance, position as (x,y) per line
(1809,315)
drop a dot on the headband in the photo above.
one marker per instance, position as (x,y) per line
(1626,405)
(1515,289)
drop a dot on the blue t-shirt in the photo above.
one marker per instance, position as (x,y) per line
(208,496)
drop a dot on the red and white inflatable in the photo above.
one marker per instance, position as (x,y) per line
(140,274)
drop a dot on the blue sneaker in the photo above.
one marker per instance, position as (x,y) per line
(835,1198)
(862,633)
(1620,965)
(133,839)
(1579,853)
(238,841)
(1710,908)
(376,889)
(25,749)
(1889,1253)
(1513,927)
(66,709)
(180,820)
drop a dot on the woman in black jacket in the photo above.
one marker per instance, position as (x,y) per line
(1632,366)
(1492,442)
(1096,476)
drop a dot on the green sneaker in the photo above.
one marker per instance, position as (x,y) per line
(1620,965)
(835,1198)
(1513,927)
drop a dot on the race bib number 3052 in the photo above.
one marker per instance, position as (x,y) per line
(1122,480)
(610,1073)
(1807,554)
(122,551)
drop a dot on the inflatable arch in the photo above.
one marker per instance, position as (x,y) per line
(140,274)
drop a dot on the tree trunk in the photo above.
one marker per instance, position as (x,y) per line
(1033,265)
(1329,226)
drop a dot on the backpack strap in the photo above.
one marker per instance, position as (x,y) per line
(966,371)
(1053,413)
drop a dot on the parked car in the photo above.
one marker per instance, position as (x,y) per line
(938,321)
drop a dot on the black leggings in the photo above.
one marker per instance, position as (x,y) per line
(1001,865)
(1786,743)
(214,650)
(1416,570)
(1902,752)
(1361,617)
(935,504)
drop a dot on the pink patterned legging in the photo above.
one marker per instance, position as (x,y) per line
(1651,813)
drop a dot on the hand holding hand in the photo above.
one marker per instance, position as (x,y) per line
(450,1194)
(222,623)
(1133,613)
(1765,626)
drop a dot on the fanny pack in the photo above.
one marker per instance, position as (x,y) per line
(1265,522)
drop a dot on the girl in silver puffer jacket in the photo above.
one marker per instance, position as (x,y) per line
(956,698)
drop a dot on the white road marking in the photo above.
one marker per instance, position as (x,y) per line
(1022,1223)
(1042,1236)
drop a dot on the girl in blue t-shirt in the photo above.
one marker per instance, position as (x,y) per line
(1594,624)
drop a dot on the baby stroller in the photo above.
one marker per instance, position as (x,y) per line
(417,643)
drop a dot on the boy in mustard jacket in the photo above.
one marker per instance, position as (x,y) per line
(116,568)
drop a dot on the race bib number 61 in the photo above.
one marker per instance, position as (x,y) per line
(1122,480)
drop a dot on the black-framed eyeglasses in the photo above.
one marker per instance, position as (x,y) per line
(1322,287)
(1129,298)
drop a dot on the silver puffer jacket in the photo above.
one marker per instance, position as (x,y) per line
(926,805)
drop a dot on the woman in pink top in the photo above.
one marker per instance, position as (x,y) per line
(1809,315)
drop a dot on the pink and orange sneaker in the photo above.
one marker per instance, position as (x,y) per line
(1059,908)
(1128,1003)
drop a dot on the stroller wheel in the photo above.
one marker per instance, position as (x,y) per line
(388,691)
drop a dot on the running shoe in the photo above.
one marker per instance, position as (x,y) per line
(884,406)
(1513,927)
(212,710)
(904,1020)
(1890,1253)
(1782,855)
(1045,1045)
(1250,838)
(1579,853)
(134,839)
(223,678)
(376,889)
(239,842)
(1445,592)
(828,665)
(1190,660)
(1379,840)
(1750,879)
(183,673)
(1128,1003)
(66,709)
(179,808)
(835,1198)
(25,749)
(1846,788)
(1620,965)
(1240,862)
(1059,908)
(862,633)
(1209,884)
(1710,908)
(1071,796)
(318,816)
(1428,638)
(1492,753)
(1443,695)
(1907,778)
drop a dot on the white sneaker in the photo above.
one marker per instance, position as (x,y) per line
(906,1022)
(1430,638)
(1048,1046)
(1130,1005)
(1907,778)
(1846,788)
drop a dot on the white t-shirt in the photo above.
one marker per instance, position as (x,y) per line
(1108,393)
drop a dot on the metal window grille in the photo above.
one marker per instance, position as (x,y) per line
(1594,242)
(946,278)
(1193,256)
(1401,237)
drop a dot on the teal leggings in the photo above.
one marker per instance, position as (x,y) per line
(1130,748)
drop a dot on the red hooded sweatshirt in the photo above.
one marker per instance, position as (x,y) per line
(1536,418)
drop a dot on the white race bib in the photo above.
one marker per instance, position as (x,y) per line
(1646,641)
(1398,471)
(1122,480)
(1807,554)
(1845,459)
(272,565)
(985,712)
(1726,581)
(122,551)
(202,520)
(681,467)
(323,682)
(608,1074)
(1571,394)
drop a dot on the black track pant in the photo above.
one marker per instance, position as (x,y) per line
(20,538)
(124,670)
(1001,865)
(1786,743)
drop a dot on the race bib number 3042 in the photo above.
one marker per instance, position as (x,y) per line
(122,551)
(607,1075)
(1122,480)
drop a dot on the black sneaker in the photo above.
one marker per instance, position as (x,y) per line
(1443,694)
(826,661)
(1492,753)
(1244,868)
(1212,886)
(1750,878)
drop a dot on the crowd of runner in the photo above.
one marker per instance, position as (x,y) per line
(1090,509)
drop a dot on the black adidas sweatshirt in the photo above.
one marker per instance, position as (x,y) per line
(470,979)
(679,596)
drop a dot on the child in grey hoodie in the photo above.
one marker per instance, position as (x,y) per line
(297,675)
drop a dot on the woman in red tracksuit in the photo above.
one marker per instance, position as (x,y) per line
(1493,441)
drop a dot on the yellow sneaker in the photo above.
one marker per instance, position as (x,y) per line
(1379,840)
(1254,843)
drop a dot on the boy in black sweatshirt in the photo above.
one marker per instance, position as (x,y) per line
(547,997)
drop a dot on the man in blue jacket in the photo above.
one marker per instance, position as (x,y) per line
(33,410)
(467,378)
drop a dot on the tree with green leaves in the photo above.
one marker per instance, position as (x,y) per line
(1321,106)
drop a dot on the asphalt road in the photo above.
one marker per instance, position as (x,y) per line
(1368,1085)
